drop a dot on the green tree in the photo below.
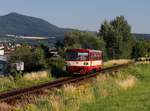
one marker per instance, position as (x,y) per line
(39,60)
(34,59)
(141,49)
(24,54)
(72,39)
(45,48)
(118,38)
(78,39)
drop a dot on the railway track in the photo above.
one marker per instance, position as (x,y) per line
(13,94)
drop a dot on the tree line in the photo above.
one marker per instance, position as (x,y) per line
(114,38)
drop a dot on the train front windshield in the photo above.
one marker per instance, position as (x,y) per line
(76,56)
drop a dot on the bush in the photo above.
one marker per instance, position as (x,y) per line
(57,65)
(59,62)
(39,60)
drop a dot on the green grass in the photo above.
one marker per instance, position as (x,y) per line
(8,83)
(103,94)
(135,99)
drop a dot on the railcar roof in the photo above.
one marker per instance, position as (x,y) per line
(84,50)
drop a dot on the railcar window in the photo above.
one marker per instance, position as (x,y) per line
(71,55)
(96,56)
(74,56)
(82,56)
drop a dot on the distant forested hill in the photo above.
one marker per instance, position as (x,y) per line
(143,36)
(18,24)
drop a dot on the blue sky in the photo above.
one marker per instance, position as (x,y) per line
(83,14)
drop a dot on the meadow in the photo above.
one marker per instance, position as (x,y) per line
(32,78)
(136,98)
(127,91)
(18,79)
(28,79)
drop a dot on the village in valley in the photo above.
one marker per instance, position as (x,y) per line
(7,48)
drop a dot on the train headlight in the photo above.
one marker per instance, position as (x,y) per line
(85,63)
(68,64)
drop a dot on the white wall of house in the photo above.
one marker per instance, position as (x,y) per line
(1,52)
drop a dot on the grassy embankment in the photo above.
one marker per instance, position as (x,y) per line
(7,83)
(127,91)
(29,79)
(114,62)
(134,99)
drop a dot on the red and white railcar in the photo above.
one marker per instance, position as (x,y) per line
(83,61)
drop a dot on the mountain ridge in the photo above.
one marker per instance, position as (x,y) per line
(24,25)
(142,36)
(18,24)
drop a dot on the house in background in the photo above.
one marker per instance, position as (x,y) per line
(1,50)
(3,65)
(6,48)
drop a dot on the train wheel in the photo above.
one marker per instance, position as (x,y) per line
(93,71)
